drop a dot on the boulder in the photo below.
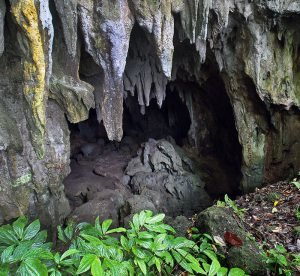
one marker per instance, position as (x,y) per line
(216,221)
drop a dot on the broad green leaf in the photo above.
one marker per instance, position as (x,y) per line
(6,254)
(40,237)
(69,230)
(139,253)
(155,219)
(34,267)
(19,226)
(136,222)
(55,273)
(68,253)
(194,263)
(92,239)
(168,228)
(98,226)
(61,234)
(236,272)
(7,235)
(210,254)
(4,270)
(222,271)
(22,249)
(158,264)
(142,266)
(124,243)
(144,243)
(181,242)
(105,225)
(145,235)
(142,218)
(85,263)
(31,230)
(96,268)
(182,262)
(155,228)
(116,230)
(38,253)
(214,268)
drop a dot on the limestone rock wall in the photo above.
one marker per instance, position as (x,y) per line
(253,46)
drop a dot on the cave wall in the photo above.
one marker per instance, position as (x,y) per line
(253,46)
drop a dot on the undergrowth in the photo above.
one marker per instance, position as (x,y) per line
(147,247)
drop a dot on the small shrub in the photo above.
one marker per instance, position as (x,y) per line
(148,247)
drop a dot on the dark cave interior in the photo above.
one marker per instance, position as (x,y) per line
(196,117)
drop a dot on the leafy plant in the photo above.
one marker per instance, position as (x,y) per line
(230,203)
(281,262)
(24,249)
(210,257)
(148,247)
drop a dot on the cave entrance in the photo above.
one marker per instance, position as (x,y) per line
(97,179)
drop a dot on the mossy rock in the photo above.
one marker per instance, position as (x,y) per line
(218,220)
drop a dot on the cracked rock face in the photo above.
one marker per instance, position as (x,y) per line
(59,59)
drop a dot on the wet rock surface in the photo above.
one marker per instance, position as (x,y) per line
(234,65)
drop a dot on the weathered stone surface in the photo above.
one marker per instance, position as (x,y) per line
(218,220)
(2,15)
(251,47)
(161,179)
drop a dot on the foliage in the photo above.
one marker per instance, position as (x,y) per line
(210,257)
(230,203)
(297,212)
(148,247)
(281,262)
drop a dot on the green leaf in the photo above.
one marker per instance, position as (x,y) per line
(168,228)
(124,243)
(155,219)
(142,218)
(40,237)
(144,243)
(116,230)
(181,261)
(4,270)
(222,271)
(68,253)
(136,222)
(6,254)
(98,226)
(19,226)
(155,228)
(7,235)
(34,267)
(85,263)
(194,263)
(31,230)
(96,268)
(61,234)
(105,225)
(69,230)
(38,253)
(214,268)
(158,264)
(236,272)
(55,273)
(181,242)
(210,254)
(145,235)
(142,266)
(139,253)
(22,249)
